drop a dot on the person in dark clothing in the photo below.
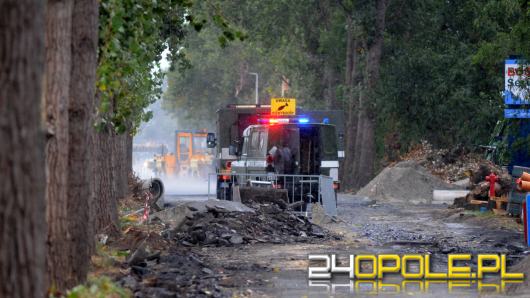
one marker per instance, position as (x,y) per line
(287,159)
(277,157)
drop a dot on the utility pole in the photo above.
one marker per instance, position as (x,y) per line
(256,74)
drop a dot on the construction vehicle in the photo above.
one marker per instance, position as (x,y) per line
(296,151)
(192,158)
(144,152)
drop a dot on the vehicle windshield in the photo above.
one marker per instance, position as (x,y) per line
(199,145)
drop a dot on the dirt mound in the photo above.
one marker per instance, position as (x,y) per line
(269,223)
(406,182)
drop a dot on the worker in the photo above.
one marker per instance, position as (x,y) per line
(276,153)
(269,160)
(194,167)
(287,158)
(283,159)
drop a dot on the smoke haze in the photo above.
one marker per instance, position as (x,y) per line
(160,130)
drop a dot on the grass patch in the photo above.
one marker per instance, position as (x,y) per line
(106,261)
(99,287)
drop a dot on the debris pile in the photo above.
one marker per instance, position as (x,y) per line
(479,188)
(462,168)
(269,223)
(405,182)
(176,274)
(450,165)
(135,186)
(155,268)
(135,197)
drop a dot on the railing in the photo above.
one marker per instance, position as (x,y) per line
(302,190)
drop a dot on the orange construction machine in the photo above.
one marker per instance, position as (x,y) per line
(192,158)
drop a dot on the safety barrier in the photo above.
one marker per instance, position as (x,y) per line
(302,190)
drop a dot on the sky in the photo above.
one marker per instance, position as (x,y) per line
(164,63)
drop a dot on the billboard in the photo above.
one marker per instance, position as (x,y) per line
(516,82)
(517,89)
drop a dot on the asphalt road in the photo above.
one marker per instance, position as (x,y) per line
(280,270)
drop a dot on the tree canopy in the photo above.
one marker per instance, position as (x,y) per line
(133,36)
(438,57)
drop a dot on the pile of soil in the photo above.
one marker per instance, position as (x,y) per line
(268,224)
(406,182)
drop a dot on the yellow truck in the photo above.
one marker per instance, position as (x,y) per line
(192,158)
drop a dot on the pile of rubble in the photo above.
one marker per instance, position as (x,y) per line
(428,175)
(268,223)
(157,268)
(478,195)
(179,273)
(450,165)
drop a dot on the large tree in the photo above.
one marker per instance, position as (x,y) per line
(56,100)
(80,115)
(23,228)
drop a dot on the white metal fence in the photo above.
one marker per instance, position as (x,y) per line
(301,189)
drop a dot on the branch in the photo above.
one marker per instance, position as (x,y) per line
(346,9)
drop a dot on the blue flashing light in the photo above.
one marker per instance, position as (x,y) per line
(325,120)
(303,120)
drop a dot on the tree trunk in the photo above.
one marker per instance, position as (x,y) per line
(105,198)
(376,49)
(119,154)
(348,167)
(106,209)
(129,160)
(82,98)
(125,164)
(22,191)
(360,116)
(365,152)
(56,98)
(330,94)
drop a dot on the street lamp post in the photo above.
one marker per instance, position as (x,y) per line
(256,74)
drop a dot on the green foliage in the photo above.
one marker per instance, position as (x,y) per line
(280,40)
(441,71)
(100,287)
(215,79)
(133,36)
(429,86)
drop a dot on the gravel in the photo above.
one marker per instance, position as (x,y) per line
(404,183)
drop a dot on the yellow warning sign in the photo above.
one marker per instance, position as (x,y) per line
(283,106)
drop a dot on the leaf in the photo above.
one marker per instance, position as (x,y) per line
(229,35)
(121,128)
(222,41)
(198,26)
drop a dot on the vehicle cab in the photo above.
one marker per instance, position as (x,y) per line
(289,147)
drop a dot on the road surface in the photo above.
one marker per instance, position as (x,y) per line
(273,270)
